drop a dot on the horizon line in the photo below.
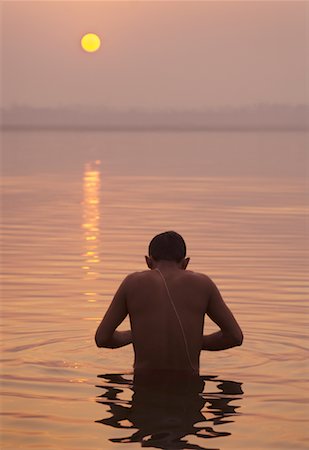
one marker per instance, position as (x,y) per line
(150,128)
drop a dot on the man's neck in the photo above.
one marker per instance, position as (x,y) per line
(167,265)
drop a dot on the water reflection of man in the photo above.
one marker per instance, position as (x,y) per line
(167,306)
(162,418)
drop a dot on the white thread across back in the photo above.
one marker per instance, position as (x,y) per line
(177,315)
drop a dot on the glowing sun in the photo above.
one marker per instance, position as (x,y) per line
(90,42)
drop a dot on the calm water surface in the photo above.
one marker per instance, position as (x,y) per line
(79,211)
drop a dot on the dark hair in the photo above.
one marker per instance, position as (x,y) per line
(168,245)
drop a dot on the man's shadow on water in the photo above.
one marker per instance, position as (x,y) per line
(165,412)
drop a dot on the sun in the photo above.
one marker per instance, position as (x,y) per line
(90,42)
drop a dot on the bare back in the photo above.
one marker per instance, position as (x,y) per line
(167,330)
(157,335)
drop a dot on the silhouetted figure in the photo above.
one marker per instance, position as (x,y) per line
(167,306)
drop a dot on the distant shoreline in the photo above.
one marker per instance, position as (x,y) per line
(257,118)
(155,128)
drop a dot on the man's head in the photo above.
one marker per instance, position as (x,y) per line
(167,246)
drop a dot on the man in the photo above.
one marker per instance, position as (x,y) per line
(167,306)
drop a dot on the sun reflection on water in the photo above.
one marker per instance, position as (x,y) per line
(91,223)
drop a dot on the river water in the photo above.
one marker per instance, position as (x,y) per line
(79,209)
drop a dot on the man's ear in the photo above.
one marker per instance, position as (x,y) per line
(184,263)
(149,262)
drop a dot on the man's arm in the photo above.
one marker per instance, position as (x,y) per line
(230,334)
(106,336)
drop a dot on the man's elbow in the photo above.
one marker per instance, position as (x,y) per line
(238,338)
(98,341)
(101,341)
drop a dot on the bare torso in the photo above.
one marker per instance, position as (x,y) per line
(156,332)
(167,331)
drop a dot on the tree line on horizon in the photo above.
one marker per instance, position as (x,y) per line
(263,116)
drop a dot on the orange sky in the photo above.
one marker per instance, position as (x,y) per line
(155,54)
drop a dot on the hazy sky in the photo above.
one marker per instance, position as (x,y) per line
(155,54)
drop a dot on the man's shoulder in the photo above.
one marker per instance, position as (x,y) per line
(202,277)
(196,274)
(131,277)
(136,274)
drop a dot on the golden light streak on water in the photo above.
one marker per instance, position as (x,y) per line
(91,223)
